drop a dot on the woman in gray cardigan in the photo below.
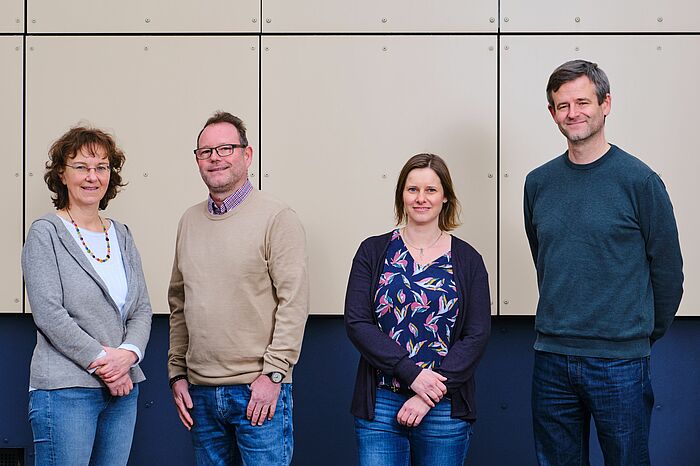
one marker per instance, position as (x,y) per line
(90,304)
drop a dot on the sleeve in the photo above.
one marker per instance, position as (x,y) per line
(179,337)
(374,345)
(529,227)
(44,289)
(138,322)
(464,355)
(288,269)
(658,226)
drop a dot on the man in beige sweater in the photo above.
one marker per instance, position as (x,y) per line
(238,301)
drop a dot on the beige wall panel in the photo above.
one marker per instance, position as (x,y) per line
(600,16)
(154,94)
(11,174)
(12,16)
(651,117)
(384,16)
(347,115)
(143,16)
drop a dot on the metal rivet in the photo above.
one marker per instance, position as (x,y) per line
(658,406)
(33,21)
(658,48)
(492,20)
(17,20)
(252,175)
(385,48)
(145,174)
(16,300)
(506,48)
(268,20)
(490,47)
(148,20)
(660,19)
(145,49)
(384,20)
(267,49)
(16,175)
(490,175)
(17,48)
(267,175)
(506,19)
(504,406)
(31,174)
(252,48)
(577,19)
(384,176)
(577,49)
(255,20)
(505,301)
(31,49)
(505,175)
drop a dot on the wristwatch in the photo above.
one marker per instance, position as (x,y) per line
(276,377)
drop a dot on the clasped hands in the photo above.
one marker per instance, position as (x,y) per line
(429,388)
(113,369)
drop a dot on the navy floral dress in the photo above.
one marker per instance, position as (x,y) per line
(416,305)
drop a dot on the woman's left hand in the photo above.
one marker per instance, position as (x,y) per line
(114,365)
(413,411)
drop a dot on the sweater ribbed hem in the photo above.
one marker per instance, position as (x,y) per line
(593,348)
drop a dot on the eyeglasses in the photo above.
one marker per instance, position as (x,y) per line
(223,150)
(100,170)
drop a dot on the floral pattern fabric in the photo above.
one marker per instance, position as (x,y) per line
(416,305)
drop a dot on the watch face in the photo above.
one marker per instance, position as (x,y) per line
(276,377)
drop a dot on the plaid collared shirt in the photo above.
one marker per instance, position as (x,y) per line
(231,202)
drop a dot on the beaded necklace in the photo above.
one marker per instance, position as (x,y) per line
(80,236)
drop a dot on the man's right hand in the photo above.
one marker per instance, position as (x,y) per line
(429,386)
(183,402)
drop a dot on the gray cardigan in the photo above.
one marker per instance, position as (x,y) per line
(72,308)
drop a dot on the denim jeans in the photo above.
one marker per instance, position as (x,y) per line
(568,390)
(438,440)
(222,435)
(82,426)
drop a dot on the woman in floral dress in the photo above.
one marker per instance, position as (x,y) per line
(418,310)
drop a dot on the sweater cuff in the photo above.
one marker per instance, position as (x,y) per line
(407,371)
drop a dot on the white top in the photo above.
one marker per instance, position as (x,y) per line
(112,271)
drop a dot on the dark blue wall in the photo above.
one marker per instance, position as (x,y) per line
(323,381)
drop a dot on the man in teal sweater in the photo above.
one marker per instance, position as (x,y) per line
(605,244)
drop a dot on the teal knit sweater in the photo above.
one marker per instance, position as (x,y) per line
(605,244)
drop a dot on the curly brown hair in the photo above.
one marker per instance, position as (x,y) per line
(67,147)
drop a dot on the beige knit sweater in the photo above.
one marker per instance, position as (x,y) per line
(238,293)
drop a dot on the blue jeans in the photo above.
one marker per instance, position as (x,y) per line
(438,440)
(82,426)
(568,390)
(222,435)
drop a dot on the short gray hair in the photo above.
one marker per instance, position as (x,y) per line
(574,69)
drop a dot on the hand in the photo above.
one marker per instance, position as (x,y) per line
(429,386)
(121,387)
(412,412)
(183,402)
(263,400)
(114,365)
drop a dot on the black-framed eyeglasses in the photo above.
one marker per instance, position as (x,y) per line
(100,170)
(224,150)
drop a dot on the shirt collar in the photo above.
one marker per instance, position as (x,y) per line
(231,202)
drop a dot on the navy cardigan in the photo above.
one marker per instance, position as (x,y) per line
(378,351)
